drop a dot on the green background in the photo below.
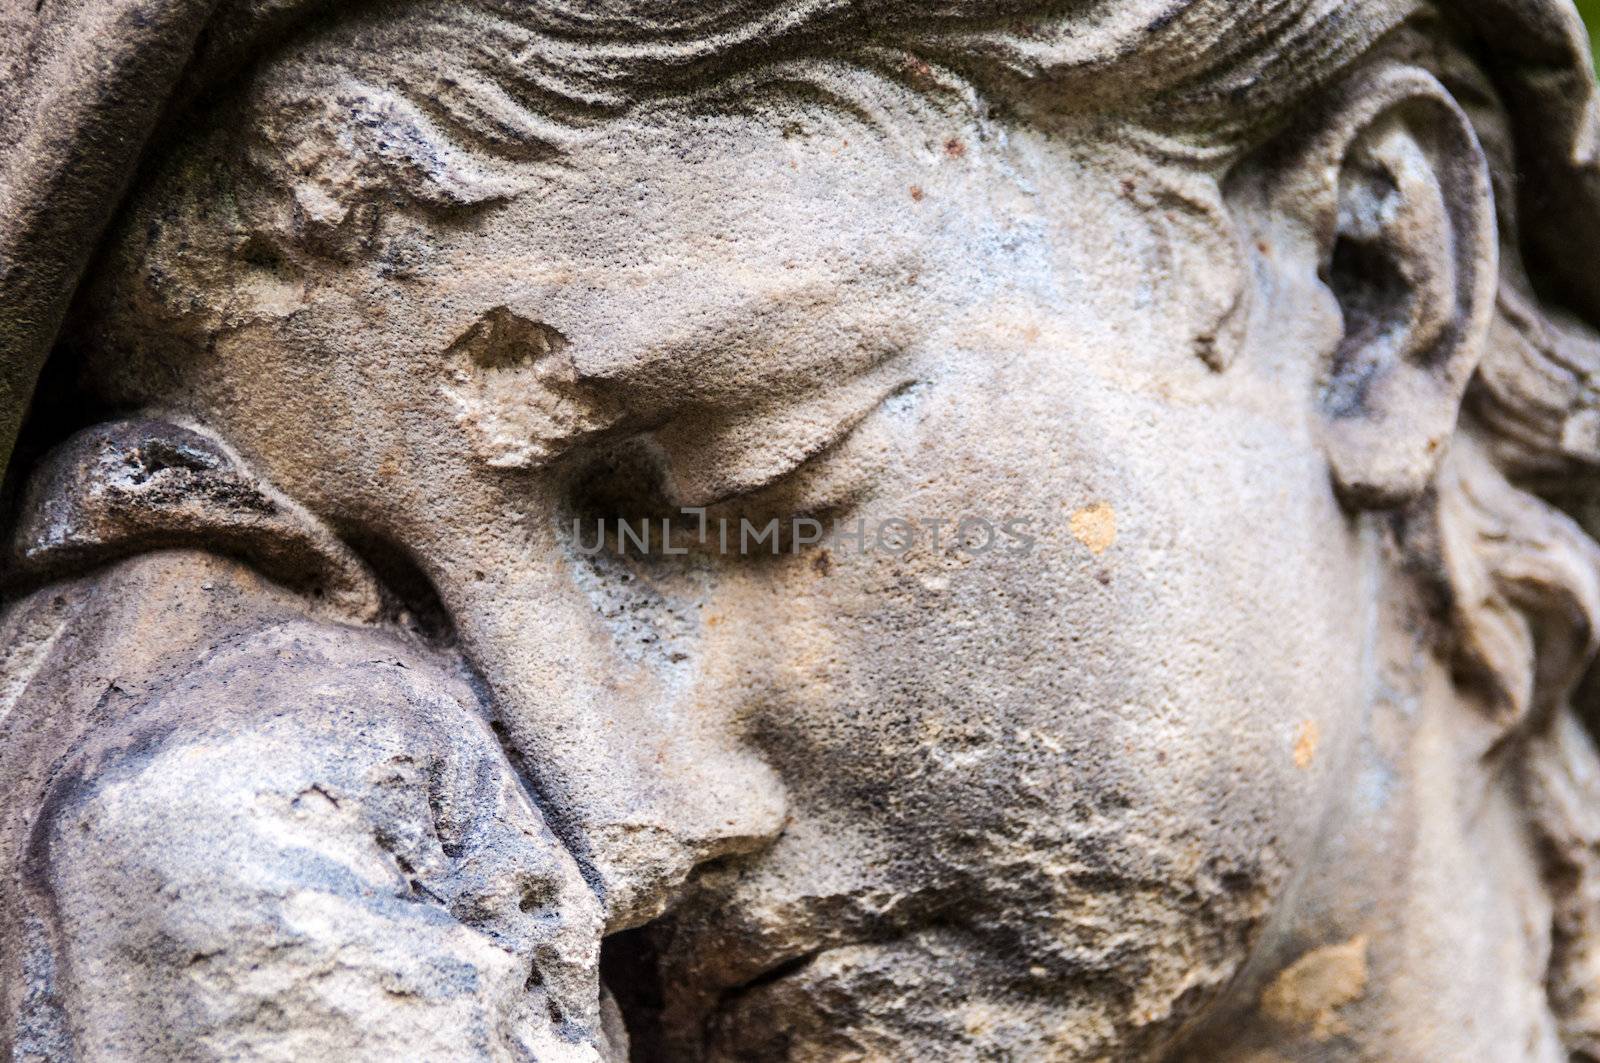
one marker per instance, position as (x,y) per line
(1591,15)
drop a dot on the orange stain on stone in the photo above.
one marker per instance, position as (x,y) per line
(1305,746)
(1310,992)
(1095,527)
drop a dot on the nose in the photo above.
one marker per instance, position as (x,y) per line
(627,733)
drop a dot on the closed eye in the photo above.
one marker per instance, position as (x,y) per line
(719,458)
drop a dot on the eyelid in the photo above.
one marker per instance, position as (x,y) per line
(718,457)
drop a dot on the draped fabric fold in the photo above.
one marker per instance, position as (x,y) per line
(85,83)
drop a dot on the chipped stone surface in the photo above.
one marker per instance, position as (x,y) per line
(518,397)
(1169,628)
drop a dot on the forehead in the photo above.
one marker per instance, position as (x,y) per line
(465,119)
(714,257)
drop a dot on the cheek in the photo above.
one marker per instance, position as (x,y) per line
(1137,723)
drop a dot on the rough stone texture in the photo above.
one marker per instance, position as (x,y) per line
(1261,335)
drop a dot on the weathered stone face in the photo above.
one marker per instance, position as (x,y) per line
(792,319)
(1132,603)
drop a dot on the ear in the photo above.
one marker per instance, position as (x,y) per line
(1391,191)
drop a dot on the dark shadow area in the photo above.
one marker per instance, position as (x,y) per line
(630,968)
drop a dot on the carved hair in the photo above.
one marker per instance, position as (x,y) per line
(1500,547)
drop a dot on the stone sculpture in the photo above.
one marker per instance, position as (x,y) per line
(813,530)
